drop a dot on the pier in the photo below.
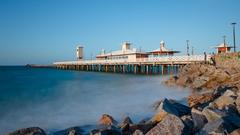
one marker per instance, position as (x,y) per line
(150,65)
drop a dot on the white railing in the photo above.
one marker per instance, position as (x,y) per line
(192,58)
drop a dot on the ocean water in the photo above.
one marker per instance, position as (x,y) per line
(57,99)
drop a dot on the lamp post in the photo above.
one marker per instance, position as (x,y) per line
(234,42)
(187,47)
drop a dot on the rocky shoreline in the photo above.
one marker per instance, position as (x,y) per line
(213,108)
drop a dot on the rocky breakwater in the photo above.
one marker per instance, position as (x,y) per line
(215,99)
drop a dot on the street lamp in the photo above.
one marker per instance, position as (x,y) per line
(187,47)
(234,42)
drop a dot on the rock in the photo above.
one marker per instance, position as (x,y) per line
(172,107)
(70,131)
(182,109)
(230,93)
(144,121)
(107,120)
(221,76)
(199,119)
(212,114)
(200,82)
(109,130)
(138,132)
(144,128)
(238,104)
(188,122)
(220,91)
(170,125)
(159,116)
(183,81)
(197,100)
(235,132)
(235,77)
(28,131)
(124,125)
(216,127)
(233,119)
(127,120)
(223,101)
(171,81)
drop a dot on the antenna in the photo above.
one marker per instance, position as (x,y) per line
(192,50)
(224,41)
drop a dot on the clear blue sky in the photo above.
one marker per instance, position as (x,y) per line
(43,31)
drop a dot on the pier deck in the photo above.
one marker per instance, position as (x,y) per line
(154,65)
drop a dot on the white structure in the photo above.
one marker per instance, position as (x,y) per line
(126,46)
(80,53)
(127,53)
(162,51)
(223,48)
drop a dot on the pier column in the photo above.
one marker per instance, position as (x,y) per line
(135,69)
(147,69)
(162,69)
(114,68)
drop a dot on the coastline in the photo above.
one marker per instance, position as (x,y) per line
(214,106)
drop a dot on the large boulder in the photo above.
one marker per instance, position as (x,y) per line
(226,124)
(124,125)
(28,131)
(170,107)
(199,119)
(70,131)
(235,132)
(189,125)
(183,81)
(197,100)
(107,120)
(200,82)
(212,114)
(238,104)
(216,127)
(170,125)
(233,119)
(230,93)
(225,100)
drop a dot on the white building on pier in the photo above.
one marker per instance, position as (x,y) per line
(126,53)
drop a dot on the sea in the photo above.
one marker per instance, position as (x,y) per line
(58,99)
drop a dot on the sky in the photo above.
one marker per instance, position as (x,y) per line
(45,31)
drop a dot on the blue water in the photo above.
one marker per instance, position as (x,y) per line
(57,99)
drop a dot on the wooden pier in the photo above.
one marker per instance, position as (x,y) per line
(155,65)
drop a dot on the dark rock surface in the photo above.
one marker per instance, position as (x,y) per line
(199,119)
(170,107)
(28,131)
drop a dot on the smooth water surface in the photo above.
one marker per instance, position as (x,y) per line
(57,99)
